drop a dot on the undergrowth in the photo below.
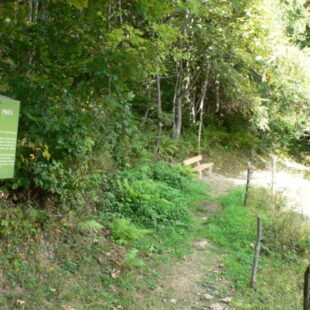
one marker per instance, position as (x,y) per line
(53,260)
(153,196)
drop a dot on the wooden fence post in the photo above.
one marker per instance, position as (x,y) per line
(307,290)
(256,253)
(248,183)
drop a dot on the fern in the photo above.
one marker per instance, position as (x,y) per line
(124,231)
(131,259)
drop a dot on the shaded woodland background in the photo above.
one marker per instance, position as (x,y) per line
(104,84)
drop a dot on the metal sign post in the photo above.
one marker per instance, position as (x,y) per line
(9,116)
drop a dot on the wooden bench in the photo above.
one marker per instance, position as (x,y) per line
(198,166)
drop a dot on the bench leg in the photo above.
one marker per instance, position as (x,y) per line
(210,171)
(200,174)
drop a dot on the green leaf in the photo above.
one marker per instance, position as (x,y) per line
(235,4)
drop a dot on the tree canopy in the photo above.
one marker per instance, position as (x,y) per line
(112,77)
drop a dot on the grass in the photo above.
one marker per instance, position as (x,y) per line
(283,260)
(106,261)
(70,262)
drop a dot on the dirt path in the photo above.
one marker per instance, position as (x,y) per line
(194,283)
(197,281)
(290,181)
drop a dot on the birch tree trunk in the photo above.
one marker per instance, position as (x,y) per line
(184,82)
(159,115)
(178,103)
(30,11)
(202,106)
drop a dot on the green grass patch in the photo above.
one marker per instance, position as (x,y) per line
(284,255)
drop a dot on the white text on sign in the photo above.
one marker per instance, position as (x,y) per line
(7,112)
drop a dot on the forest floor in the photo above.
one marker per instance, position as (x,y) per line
(197,281)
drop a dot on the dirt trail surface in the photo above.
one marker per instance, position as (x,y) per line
(193,283)
(290,181)
(196,282)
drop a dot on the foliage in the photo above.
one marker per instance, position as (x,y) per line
(73,260)
(124,231)
(154,195)
(131,259)
(25,223)
(288,235)
(86,71)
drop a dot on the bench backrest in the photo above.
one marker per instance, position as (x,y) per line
(192,160)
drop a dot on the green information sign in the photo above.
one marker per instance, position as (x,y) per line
(9,115)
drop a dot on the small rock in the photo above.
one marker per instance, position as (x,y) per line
(226,300)
(173,301)
(216,307)
(202,244)
(207,296)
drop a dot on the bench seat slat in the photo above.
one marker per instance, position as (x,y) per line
(203,167)
(192,160)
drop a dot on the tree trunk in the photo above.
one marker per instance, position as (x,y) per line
(178,118)
(177,104)
(30,11)
(159,115)
(201,107)
(217,96)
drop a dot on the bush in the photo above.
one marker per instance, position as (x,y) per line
(153,196)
